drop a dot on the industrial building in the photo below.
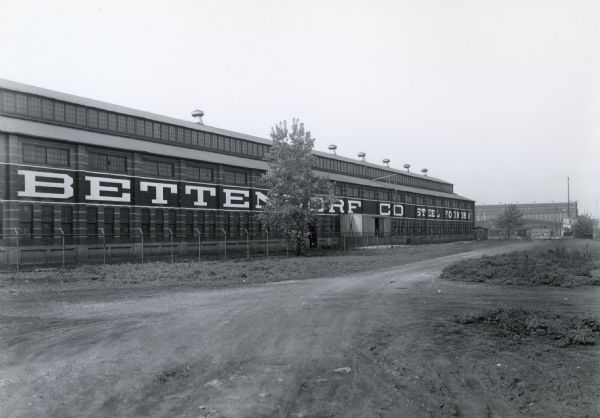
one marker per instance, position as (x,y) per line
(540,220)
(80,175)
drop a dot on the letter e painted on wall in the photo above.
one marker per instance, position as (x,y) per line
(236,199)
(98,186)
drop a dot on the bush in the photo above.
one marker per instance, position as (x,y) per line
(584,226)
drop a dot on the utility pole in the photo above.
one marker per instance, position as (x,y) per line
(568,197)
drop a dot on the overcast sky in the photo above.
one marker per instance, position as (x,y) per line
(502,98)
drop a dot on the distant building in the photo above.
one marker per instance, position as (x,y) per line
(540,220)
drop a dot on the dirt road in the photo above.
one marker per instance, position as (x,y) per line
(370,344)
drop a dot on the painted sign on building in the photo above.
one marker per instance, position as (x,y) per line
(95,188)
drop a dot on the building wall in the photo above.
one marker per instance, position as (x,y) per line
(416,214)
(47,143)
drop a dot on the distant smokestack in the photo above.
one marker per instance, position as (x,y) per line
(197,114)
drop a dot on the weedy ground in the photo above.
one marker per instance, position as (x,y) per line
(551,265)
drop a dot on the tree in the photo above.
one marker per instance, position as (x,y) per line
(296,194)
(584,226)
(510,219)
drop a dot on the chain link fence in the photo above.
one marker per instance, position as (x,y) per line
(20,251)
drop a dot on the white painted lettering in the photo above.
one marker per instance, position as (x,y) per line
(385,209)
(261,199)
(200,190)
(236,199)
(353,204)
(398,210)
(339,205)
(160,188)
(64,188)
(96,189)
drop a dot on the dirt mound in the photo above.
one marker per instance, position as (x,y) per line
(565,329)
(555,267)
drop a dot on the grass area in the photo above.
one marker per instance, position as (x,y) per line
(232,272)
(560,266)
(567,330)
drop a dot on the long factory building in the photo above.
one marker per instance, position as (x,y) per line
(75,169)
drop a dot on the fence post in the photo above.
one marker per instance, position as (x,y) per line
(225,237)
(247,244)
(377,235)
(142,239)
(199,242)
(171,238)
(62,234)
(103,245)
(267,229)
(18,250)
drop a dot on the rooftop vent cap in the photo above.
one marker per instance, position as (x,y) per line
(361,155)
(407,166)
(197,114)
(332,148)
(424,171)
(386,161)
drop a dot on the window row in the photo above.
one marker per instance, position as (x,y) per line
(65,113)
(109,223)
(415,227)
(361,170)
(100,222)
(353,191)
(107,162)
(41,154)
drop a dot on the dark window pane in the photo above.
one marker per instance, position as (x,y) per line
(34,107)
(93,118)
(34,154)
(124,222)
(70,114)
(8,102)
(81,116)
(57,156)
(102,120)
(21,102)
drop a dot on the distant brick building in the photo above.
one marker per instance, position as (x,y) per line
(541,220)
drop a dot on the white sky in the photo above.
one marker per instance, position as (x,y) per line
(501,98)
